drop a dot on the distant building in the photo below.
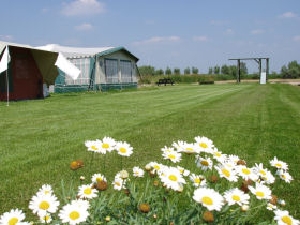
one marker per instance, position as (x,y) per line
(101,68)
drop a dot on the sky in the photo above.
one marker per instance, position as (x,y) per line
(163,33)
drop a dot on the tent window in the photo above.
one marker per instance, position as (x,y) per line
(126,70)
(83,64)
(111,71)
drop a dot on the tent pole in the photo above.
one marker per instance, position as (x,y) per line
(7,90)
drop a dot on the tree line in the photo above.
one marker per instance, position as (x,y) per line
(291,70)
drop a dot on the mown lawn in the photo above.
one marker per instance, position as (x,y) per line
(40,138)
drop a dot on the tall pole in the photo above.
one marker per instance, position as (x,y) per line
(7,89)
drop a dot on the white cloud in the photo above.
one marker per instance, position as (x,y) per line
(288,15)
(159,39)
(229,31)
(83,7)
(297,38)
(257,31)
(84,26)
(200,38)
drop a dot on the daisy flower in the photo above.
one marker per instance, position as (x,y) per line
(74,213)
(172,178)
(261,191)
(46,189)
(93,145)
(227,172)
(172,155)
(198,180)
(98,177)
(87,192)
(183,171)
(209,198)
(14,216)
(236,196)
(284,175)
(119,183)
(204,163)
(233,159)
(124,149)
(188,148)
(246,173)
(218,155)
(204,144)
(283,218)
(156,167)
(138,172)
(264,174)
(278,164)
(108,144)
(45,218)
(40,204)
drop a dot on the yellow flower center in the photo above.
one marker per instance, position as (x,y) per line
(278,165)
(226,172)
(236,198)
(94,148)
(123,150)
(189,149)
(286,219)
(172,156)
(203,145)
(172,177)
(44,205)
(197,180)
(46,218)
(74,215)
(260,194)
(105,145)
(218,154)
(87,191)
(207,200)
(157,167)
(262,172)
(204,163)
(13,221)
(246,171)
(98,179)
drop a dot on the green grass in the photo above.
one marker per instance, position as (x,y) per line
(40,138)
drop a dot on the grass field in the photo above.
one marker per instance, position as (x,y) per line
(40,138)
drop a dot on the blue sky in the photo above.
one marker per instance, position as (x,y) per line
(163,33)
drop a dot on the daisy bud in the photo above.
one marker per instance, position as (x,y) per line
(107,218)
(245,208)
(241,162)
(273,200)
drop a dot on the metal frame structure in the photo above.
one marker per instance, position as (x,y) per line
(258,60)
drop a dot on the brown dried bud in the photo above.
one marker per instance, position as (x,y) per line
(208,216)
(101,185)
(144,207)
(76,164)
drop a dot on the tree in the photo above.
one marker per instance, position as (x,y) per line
(216,69)
(187,70)
(225,69)
(168,71)
(291,71)
(159,72)
(177,71)
(146,70)
(195,70)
